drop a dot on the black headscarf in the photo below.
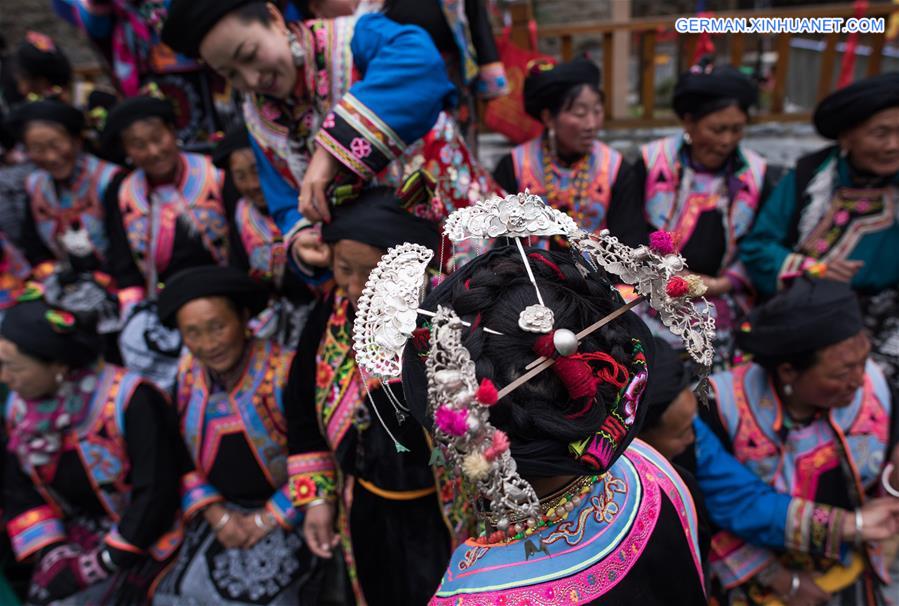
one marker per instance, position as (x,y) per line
(236,138)
(129,111)
(51,335)
(188,22)
(548,455)
(378,218)
(707,88)
(668,378)
(39,57)
(545,88)
(211,281)
(811,315)
(852,105)
(46,110)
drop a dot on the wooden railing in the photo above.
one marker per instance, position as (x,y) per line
(648,30)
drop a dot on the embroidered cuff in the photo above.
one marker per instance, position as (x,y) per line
(492,81)
(196,493)
(117,541)
(794,265)
(814,529)
(312,476)
(43,270)
(281,506)
(736,562)
(128,298)
(358,138)
(33,530)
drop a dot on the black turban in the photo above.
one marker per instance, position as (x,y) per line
(131,110)
(377,218)
(811,315)
(211,281)
(51,335)
(39,57)
(669,376)
(188,22)
(545,89)
(236,138)
(850,106)
(46,110)
(706,88)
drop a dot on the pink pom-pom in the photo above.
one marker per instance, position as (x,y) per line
(677,287)
(498,445)
(452,422)
(661,242)
(486,394)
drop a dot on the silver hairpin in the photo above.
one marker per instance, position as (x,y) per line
(517,216)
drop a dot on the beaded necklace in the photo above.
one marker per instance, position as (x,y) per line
(581,183)
(553,509)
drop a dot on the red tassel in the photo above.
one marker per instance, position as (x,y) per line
(486,394)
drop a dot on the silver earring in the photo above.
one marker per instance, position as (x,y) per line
(788,390)
(687,138)
(552,142)
(296,50)
(59,378)
(843,152)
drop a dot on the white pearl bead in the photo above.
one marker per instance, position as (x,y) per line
(565,342)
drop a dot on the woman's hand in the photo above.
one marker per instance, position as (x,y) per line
(256,526)
(309,249)
(843,269)
(318,529)
(716,286)
(321,171)
(229,532)
(880,520)
(808,593)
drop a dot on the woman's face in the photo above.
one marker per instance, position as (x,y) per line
(213,331)
(715,136)
(576,127)
(27,376)
(243,172)
(152,146)
(52,148)
(836,376)
(254,57)
(873,145)
(674,433)
(352,263)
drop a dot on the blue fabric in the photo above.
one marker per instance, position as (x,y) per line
(74,11)
(404,80)
(736,499)
(280,197)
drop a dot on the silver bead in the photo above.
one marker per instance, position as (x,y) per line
(577,501)
(569,506)
(519,528)
(531,522)
(565,342)
(502,524)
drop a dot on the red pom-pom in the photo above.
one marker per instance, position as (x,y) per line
(661,242)
(486,394)
(677,287)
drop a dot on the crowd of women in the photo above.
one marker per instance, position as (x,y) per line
(191,420)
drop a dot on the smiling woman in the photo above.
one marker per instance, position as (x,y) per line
(706,188)
(329,105)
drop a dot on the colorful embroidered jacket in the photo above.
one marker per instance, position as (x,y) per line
(355,71)
(68,222)
(116,465)
(160,230)
(262,242)
(821,212)
(633,539)
(237,440)
(676,197)
(810,462)
(14,270)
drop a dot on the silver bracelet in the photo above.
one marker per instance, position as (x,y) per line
(859,526)
(106,558)
(885,481)
(794,587)
(257,519)
(223,521)
(317,502)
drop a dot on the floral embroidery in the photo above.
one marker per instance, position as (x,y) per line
(360,147)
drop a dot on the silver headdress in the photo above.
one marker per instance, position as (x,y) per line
(458,405)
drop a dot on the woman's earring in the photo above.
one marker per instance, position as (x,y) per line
(687,138)
(788,390)
(129,161)
(60,378)
(296,50)
(552,142)
(843,152)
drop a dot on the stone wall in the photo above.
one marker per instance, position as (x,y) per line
(19,16)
